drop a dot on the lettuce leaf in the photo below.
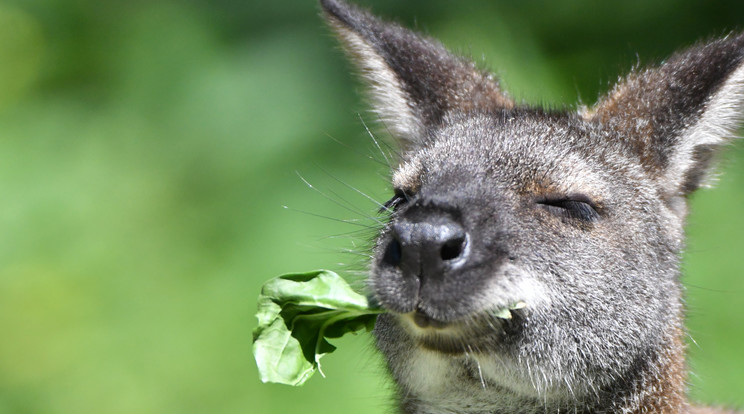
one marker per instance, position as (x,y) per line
(296,314)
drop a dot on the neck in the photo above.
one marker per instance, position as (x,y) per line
(655,384)
(660,386)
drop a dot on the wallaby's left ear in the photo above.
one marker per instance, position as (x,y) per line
(414,81)
(675,117)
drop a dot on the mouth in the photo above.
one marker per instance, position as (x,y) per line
(478,332)
(424,321)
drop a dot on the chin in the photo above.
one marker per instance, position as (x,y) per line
(478,333)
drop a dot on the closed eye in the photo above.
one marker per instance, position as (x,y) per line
(576,207)
(398,199)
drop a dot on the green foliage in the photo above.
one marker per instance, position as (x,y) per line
(147,149)
(296,313)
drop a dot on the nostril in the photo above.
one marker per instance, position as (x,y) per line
(392,253)
(452,249)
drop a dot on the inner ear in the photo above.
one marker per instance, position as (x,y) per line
(702,159)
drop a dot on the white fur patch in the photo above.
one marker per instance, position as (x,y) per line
(390,100)
(717,125)
(429,373)
(525,288)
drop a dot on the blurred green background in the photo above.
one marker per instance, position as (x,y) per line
(148,148)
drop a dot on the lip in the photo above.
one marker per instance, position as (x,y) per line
(436,335)
(447,346)
(481,332)
(424,321)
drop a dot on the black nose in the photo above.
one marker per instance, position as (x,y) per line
(427,246)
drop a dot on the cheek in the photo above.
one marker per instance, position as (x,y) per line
(518,283)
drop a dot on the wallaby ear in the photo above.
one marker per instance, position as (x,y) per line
(677,116)
(414,80)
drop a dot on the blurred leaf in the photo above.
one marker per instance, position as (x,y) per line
(21,50)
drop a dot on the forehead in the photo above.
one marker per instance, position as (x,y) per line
(530,153)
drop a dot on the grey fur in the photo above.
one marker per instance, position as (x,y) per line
(577,214)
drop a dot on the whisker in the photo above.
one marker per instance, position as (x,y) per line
(390,133)
(335,201)
(478,365)
(364,234)
(689,335)
(352,222)
(360,192)
(377,144)
(357,152)
(357,253)
(354,209)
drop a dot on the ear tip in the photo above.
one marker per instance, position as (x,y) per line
(732,44)
(330,6)
(737,36)
(337,10)
(739,40)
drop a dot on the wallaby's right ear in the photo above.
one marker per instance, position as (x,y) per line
(414,81)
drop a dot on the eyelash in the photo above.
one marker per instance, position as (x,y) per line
(398,199)
(577,207)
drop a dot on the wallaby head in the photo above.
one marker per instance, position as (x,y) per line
(573,218)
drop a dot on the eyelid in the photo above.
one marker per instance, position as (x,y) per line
(573,206)
(554,199)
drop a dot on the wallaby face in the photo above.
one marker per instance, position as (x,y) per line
(578,216)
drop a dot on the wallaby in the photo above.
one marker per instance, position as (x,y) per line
(576,217)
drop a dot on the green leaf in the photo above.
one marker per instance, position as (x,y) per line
(296,313)
(505,313)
